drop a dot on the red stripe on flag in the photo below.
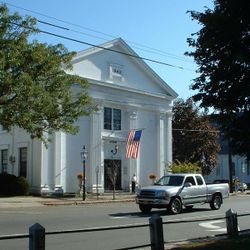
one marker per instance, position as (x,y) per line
(132,150)
(129,143)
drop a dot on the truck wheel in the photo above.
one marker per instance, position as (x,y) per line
(216,202)
(145,209)
(175,206)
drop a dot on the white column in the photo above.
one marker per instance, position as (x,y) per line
(95,151)
(101,170)
(47,166)
(168,138)
(51,163)
(37,174)
(133,165)
(60,159)
(161,145)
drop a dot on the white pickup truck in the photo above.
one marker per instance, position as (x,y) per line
(174,191)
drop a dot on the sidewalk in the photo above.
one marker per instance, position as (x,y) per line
(38,201)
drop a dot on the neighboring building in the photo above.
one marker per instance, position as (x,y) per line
(241,167)
(130,95)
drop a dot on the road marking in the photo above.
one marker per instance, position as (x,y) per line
(127,216)
(117,217)
(211,227)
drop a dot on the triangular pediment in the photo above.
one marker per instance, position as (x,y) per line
(116,63)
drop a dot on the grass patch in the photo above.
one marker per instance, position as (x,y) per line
(240,242)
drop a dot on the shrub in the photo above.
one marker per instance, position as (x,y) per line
(11,185)
(23,186)
(184,167)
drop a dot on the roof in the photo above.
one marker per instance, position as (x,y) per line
(126,50)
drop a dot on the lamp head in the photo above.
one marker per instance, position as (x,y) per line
(114,152)
(84,152)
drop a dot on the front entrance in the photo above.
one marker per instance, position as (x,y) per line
(112,173)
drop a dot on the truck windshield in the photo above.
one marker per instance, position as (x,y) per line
(170,180)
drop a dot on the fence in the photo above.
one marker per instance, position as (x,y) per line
(37,232)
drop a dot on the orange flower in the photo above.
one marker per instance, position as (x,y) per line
(80,176)
(152,176)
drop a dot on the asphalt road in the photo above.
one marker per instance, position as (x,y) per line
(55,218)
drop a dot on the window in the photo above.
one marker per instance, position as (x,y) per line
(170,180)
(4,160)
(107,118)
(112,119)
(199,180)
(117,119)
(3,128)
(190,179)
(248,167)
(217,170)
(23,162)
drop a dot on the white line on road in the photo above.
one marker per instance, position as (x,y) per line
(211,227)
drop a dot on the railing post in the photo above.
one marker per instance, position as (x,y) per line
(156,232)
(37,237)
(232,223)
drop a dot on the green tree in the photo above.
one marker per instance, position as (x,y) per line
(195,140)
(222,53)
(36,93)
(184,167)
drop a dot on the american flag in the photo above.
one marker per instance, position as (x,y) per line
(133,143)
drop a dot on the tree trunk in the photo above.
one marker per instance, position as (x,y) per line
(113,191)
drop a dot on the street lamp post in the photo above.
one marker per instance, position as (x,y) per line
(114,172)
(84,154)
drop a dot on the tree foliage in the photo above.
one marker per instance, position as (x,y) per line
(222,53)
(185,167)
(195,140)
(35,90)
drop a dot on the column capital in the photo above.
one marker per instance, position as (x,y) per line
(165,114)
(133,114)
(169,114)
(162,115)
(99,109)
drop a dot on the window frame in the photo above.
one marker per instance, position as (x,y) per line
(189,178)
(23,161)
(4,160)
(198,179)
(112,119)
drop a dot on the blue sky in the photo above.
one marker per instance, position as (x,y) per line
(154,29)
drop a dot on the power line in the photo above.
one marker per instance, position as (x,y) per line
(152,50)
(100,47)
(65,28)
(54,25)
(195,130)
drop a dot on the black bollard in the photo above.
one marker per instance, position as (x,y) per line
(156,232)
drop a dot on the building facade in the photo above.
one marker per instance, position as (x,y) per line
(129,95)
(240,166)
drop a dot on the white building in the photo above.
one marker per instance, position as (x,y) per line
(130,95)
(240,166)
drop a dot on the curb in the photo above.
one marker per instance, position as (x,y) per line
(86,202)
(36,201)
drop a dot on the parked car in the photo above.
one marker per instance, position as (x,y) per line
(174,191)
(242,187)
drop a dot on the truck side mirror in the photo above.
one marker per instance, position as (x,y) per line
(188,184)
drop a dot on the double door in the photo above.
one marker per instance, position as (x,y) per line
(112,174)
